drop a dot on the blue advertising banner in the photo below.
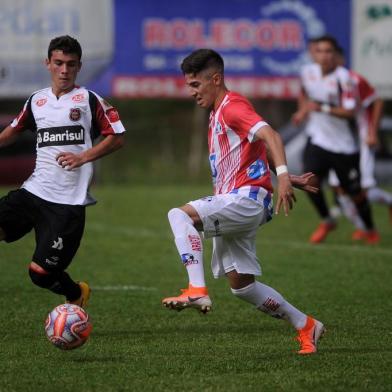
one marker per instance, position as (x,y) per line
(134,48)
(263,43)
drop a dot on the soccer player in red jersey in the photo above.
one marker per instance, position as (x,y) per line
(66,119)
(238,140)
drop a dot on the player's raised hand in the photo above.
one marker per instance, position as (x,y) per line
(286,197)
(69,161)
(306,182)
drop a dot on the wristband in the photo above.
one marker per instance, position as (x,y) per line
(281,170)
(325,108)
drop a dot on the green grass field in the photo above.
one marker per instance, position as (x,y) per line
(137,345)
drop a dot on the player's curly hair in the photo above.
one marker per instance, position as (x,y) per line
(65,43)
(202,59)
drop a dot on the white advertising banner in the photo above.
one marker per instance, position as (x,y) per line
(372,43)
(26,28)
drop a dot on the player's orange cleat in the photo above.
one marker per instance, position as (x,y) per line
(192,297)
(320,234)
(372,237)
(358,235)
(309,336)
(82,301)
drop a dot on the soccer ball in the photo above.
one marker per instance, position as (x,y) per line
(68,326)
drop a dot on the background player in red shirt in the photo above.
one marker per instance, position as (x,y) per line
(238,142)
(66,119)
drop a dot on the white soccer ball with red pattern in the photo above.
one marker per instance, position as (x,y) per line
(68,326)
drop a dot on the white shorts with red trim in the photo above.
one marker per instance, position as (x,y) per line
(232,220)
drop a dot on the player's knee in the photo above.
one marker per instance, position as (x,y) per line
(41,277)
(177,215)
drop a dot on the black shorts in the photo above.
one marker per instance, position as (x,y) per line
(58,227)
(346,166)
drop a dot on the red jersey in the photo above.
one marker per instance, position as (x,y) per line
(365,95)
(237,158)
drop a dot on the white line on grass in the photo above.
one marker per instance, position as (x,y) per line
(129,287)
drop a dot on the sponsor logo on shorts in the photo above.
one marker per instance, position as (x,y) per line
(75,114)
(58,244)
(53,260)
(188,259)
(60,136)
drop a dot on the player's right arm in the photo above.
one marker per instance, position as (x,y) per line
(275,147)
(302,112)
(8,135)
(25,120)
(376,109)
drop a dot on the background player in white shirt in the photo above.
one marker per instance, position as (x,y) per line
(238,140)
(368,117)
(66,119)
(328,104)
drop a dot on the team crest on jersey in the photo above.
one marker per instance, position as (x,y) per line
(75,114)
(256,170)
(78,98)
(41,102)
(112,115)
(218,128)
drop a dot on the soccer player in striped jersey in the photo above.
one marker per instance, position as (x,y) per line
(238,140)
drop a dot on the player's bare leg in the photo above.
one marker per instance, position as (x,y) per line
(268,300)
(184,222)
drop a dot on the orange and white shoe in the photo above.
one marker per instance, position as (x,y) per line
(371,237)
(84,296)
(192,297)
(358,235)
(322,231)
(309,336)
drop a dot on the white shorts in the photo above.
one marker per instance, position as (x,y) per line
(232,220)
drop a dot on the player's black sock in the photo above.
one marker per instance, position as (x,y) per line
(365,212)
(66,286)
(319,202)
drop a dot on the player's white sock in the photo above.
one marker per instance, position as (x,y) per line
(377,195)
(350,211)
(269,301)
(189,245)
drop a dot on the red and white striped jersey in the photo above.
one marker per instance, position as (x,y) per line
(237,158)
(366,95)
(69,123)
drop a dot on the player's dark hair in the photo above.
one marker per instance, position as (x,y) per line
(65,43)
(202,59)
(330,39)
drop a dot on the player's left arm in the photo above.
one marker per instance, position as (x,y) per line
(376,109)
(304,182)
(106,146)
(274,143)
